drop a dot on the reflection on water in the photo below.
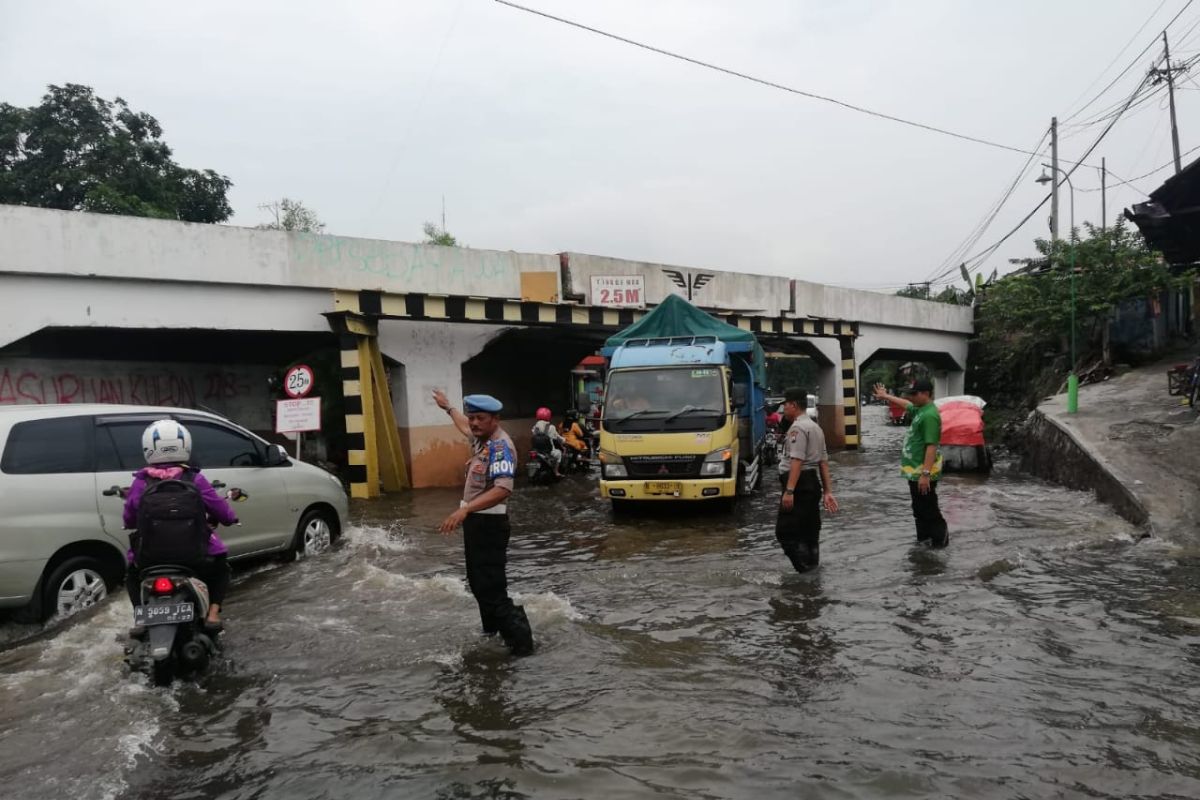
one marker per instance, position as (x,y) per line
(1046,653)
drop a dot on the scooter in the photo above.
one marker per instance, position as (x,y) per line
(540,469)
(174,604)
(576,462)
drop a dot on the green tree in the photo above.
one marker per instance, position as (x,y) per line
(436,235)
(1023,320)
(292,215)
(78,152)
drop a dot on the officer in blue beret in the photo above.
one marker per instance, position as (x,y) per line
(483,515)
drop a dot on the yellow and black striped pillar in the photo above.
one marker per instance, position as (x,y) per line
(356,439)
(850,397)
(374,458)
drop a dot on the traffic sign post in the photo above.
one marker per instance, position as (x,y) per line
(299,381)
(298,416)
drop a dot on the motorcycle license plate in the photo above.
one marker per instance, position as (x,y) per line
(163,614)
(663,487)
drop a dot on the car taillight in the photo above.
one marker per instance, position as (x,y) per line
(163,586)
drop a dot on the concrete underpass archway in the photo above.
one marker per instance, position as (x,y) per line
(946,373)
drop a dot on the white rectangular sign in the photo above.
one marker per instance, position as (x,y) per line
(619,291)
(298,416)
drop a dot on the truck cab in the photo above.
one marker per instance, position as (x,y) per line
(683,420)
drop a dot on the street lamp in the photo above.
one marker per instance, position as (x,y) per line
(1072,378)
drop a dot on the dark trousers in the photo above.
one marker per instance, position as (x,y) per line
(485,543)
(931,525)
(799,530)
(213,571)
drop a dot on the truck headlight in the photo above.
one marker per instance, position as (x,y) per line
(612,466)
(715,464)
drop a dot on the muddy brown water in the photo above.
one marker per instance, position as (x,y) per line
(1047,653)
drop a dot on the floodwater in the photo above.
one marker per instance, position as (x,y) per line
(1046,653)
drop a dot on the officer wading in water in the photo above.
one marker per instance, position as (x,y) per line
(921,461)
(483,515)
(804,477)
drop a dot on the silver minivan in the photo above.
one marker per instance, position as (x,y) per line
(62,546)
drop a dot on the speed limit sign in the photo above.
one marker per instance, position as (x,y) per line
(298,381)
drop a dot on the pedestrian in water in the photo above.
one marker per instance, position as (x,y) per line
(921,461)
(483,515)
(804,478)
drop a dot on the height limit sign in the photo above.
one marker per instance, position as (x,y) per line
(298,381)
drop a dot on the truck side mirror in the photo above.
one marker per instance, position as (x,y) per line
(739,395)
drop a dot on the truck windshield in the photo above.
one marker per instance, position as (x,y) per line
(668,400)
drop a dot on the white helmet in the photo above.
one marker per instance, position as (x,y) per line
(166,442)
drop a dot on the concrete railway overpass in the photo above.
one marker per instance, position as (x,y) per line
(124,309)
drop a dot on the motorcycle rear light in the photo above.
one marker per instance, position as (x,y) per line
(163,586)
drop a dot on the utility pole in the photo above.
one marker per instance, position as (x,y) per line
(1170,73)
(443,213)
(1054,184)
(1103,195)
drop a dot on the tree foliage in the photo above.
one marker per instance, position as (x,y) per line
(436,235)
(78,152)
(1023,320)
(292,215)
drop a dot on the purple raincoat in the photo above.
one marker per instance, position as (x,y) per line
(218,508)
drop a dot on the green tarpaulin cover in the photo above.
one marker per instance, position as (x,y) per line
(677,317)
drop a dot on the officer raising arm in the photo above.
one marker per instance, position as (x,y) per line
(498,493)
(483,516)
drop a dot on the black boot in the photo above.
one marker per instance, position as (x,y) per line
(517,633)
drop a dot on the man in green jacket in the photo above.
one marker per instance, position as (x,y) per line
(921,462)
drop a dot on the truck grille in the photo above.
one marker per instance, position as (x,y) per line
(663,466)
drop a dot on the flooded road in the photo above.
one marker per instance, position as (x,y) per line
(1044,654)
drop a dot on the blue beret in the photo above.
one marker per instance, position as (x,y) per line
(475,403)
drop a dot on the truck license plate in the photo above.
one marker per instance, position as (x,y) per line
(664,487)
(163,614)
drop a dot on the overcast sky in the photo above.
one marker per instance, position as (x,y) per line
(546,138)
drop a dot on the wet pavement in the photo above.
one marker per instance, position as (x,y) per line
(1045,654)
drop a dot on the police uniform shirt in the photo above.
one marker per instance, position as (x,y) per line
(804,440)
(493,463)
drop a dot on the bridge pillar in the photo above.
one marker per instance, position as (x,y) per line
(850,394)
(373,453)
(947,383)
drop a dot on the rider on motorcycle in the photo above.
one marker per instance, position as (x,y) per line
(167,446)
(547,440)
(574,436)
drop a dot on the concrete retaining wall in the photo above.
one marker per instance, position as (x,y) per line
(1052,452)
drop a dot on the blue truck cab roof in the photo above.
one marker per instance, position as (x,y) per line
(672,351)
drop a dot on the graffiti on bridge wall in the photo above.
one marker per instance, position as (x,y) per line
(239,392)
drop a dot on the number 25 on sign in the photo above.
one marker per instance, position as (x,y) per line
(298,381)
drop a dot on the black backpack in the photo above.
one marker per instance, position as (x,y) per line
(541,443)
(172,523)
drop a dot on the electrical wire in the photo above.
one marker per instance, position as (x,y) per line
(987,252)
(950,263)
(1136,60)
(771,84)
(1120,53)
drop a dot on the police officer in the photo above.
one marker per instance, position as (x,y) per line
(804,478)
(483,515)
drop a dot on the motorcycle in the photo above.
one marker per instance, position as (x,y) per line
(540,469)
(174,604)
(576,462)
(175,644)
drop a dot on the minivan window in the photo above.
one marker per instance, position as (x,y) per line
(217,446)
(48,446)
(119,445)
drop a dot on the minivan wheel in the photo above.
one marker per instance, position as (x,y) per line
(314,534)
(75,585)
